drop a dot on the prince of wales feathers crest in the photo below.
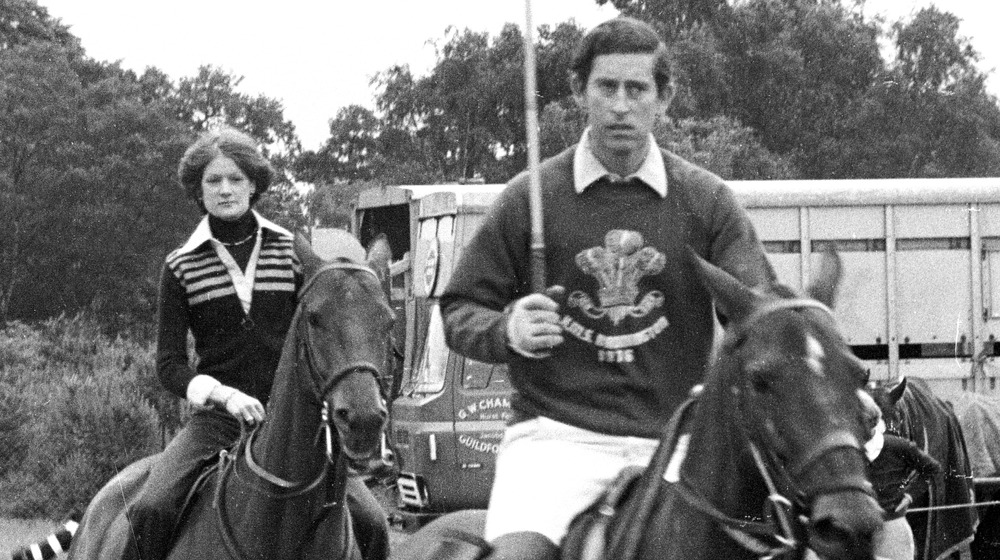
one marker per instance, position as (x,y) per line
(618,266)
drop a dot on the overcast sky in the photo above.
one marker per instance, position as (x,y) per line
(319,56)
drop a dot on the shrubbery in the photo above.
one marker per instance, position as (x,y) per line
(75,407)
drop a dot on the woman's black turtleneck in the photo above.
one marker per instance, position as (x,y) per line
(238,236)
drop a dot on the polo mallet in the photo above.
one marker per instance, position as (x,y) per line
(531,124)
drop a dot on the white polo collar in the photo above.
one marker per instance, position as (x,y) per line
(587,169)
(203,233)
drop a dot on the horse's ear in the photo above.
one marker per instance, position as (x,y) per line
(733,298)
(896,393)
(309,259)
(823,286)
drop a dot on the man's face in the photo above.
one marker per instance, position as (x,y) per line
(622,105)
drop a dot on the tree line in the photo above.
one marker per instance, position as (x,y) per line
(765,89)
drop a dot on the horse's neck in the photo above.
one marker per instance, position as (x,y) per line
(717,466)
(712,471)
(287,444)
(276,519)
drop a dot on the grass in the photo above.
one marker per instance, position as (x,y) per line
(15,533)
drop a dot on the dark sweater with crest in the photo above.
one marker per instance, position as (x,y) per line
(637,321)
(197,294)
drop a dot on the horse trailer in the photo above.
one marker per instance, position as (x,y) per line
(920,298)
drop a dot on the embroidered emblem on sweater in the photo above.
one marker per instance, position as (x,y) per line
(618,266)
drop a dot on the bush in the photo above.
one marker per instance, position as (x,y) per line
(75,407)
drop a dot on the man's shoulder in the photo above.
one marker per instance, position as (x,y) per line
(553,170)
(683,174)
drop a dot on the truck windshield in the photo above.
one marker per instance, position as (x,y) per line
(429,376)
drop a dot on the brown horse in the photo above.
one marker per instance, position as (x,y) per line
(280,492)
(766,462)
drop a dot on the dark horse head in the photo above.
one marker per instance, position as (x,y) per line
(887,398)
(787,386)
(346,321)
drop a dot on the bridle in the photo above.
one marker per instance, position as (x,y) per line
(779,534)
(321,386)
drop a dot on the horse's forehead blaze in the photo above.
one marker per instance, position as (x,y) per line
(814,354)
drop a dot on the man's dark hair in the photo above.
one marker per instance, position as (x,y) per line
(621,35)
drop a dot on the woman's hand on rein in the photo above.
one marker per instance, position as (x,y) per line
(241,405)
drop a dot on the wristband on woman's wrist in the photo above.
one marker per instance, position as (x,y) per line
(224,402)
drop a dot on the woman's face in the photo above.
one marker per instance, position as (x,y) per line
(225,189)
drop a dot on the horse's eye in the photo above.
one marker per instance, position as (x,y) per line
(314,319)
(760,382)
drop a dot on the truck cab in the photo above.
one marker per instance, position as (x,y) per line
(448,412)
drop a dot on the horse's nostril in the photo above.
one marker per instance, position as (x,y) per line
(827,536)
(828,529)
(831,539)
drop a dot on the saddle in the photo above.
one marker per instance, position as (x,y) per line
(211,466)
(588,535)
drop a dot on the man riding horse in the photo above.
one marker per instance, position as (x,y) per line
(601,359)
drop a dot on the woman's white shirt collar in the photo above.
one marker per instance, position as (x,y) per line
(203,233)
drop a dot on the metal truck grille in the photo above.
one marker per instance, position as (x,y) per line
(412,490)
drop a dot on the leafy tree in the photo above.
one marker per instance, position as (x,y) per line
(466,119)
(90,187)
(724,147)
(796,71)
(23,21)
(447,112)
(330,203)
(211,99)
(130,210)
(671,16)
(930,55)
(348,154)
(560,126)
(931,116)
(39,95)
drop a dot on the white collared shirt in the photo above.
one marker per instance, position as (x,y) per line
(203,233)
(587,169)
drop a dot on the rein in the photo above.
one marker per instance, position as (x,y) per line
(757,537)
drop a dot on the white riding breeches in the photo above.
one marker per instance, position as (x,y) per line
(547,472)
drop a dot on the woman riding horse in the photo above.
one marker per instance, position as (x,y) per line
(233,285)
